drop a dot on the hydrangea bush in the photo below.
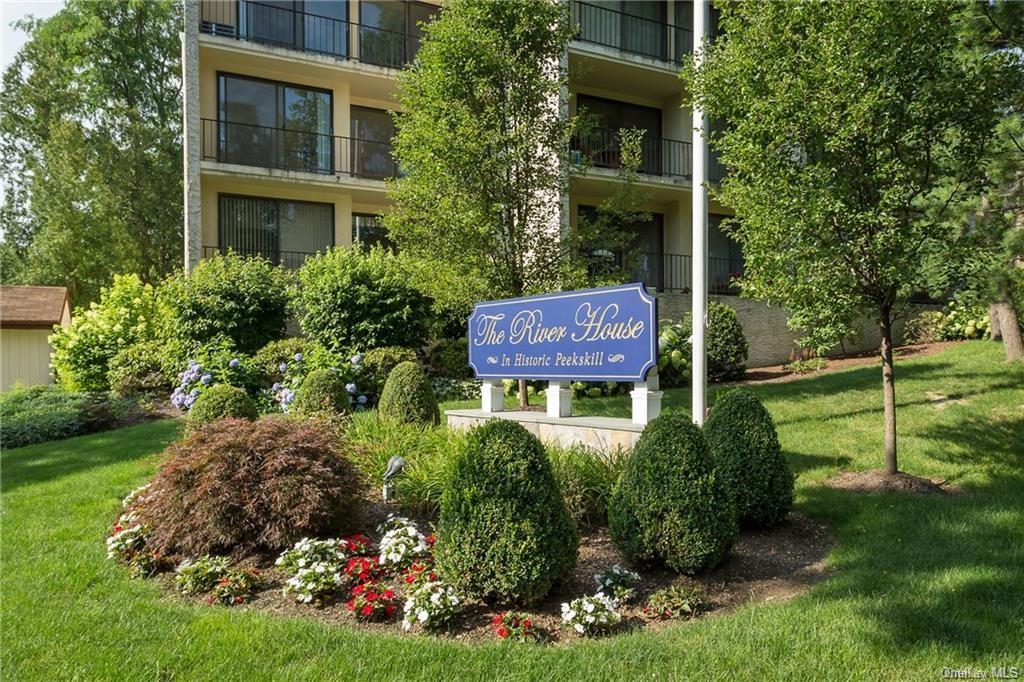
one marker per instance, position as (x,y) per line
(590,615)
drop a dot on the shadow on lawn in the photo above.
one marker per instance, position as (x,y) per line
(49,461)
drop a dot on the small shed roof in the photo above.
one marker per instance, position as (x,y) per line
(32,307)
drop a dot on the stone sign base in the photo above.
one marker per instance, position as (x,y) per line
(606,434)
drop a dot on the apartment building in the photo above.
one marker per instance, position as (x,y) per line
(288,133)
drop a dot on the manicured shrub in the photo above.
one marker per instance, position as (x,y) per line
(348,299)
(43,413)
(449,358)
(220,402)
(322,394)
(727,346)
(234,486)
(672,504)
(242,299)
(504,532)
(378,363)
(126,313)
(140,368)
(741,435)
(407,396)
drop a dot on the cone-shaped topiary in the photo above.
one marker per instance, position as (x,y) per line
(672,504)
(504,532)
(407,396)
(219,402)
(741,435)
(322,394)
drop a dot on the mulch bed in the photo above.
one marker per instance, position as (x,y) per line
(879,481)
(763,566)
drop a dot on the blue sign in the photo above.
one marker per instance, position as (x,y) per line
(609,333)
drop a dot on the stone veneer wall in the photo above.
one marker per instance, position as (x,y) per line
(769,340)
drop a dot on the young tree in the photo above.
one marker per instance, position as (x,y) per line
(90,146)
(482,140)
(845,118)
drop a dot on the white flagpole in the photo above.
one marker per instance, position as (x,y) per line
(700,227)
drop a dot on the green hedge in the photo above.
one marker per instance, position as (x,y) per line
(322,394)
(672,504)
(504,532)
(43,413)
(407,396)
(742,438)
(219,402)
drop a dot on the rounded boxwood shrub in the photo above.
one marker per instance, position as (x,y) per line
(234,487)
(219,402)
(449,358)
(672,504)
(322,393)
(378,363)
(407,396)
(504,532)
(349,299)
(727,346)
(742,438)
(243,299)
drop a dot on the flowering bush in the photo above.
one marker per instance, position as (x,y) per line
(193,380)
(420,572)
(307,552)
(136,495)
(315,583)
(126,313)
(402,542)
(590,615)
(356,545)
(369,604)
(295,370)
(675,602)
(514,627)
(431,605)
(127,538)
(363,569)
(235,587)
(617,583)
(202,575)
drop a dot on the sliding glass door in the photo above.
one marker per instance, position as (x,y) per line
(390,32)
(279,230)
(609,116)
(311,25)
(274,125)
(372,130)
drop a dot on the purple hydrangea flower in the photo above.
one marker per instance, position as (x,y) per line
(194,393)
(235,362)
(283,367)
(361,400)
(276,387)
(298,357)
(206,379)
(351,388)
(356,359)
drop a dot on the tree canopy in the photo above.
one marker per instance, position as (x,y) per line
(90,140)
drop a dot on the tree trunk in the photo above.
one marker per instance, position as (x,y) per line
(524,400)
(1009,325)
(994,330)
(888,389)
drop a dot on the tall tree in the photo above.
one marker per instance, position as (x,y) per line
(845,119)
(90,140)
(483,142)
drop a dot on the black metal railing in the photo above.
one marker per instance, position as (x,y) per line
(289,259)
(630,33)
(289,28)
(297,150)
(673,272)
(602,148)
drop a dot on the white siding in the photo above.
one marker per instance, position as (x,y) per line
(25,355)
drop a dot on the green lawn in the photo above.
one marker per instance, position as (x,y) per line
(919,584)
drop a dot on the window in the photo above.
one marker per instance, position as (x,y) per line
(310,25)
(274,125)
(279,230)
(636,26)
(602,144)
(372,130)
(646,246)
(725,259)
(390,32)
(368,230)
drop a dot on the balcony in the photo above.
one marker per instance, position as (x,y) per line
(673,272)
(631,34)
(292,260)
(296,150)
(601,148)
(305,32)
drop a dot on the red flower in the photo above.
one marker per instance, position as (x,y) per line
(238,600)
(389,609)
(411,578)
(431,540)
(358,589)
(502,632)
(371,596)
(389,594)
(209,599)
(526,623)
(497,619)
(117,528)
(351,604)
(367,610)
(433,576)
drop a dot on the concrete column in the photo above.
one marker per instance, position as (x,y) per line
(699,225)
(646,399)
(192,138)
(492,396)
(559,399)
